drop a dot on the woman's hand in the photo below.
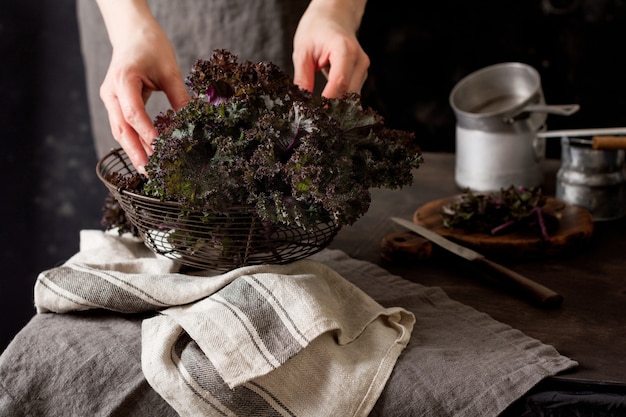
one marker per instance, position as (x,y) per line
(143,61)
(326,40)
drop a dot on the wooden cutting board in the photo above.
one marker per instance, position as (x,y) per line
(575,228)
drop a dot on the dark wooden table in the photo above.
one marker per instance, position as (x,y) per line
(590,325)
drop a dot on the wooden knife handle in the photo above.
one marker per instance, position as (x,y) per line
(539,293)
(609,142)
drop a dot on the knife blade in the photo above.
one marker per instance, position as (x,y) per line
(539,293)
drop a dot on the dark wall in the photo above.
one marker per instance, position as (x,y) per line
(47,163)
(419,50)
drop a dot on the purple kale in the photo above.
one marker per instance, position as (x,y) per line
(250,137)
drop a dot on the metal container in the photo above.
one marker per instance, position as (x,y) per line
(499,111)
(592,178)
(488,162)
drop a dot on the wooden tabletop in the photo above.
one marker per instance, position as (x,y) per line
(589,326)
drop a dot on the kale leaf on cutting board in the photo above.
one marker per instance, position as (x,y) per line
(510,209)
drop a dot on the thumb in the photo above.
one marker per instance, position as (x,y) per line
(176,94)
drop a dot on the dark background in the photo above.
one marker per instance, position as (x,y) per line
(47,163)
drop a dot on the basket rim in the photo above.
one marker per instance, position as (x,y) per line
(288,243)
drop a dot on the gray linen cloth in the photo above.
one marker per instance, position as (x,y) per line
(267,339)
(459,362)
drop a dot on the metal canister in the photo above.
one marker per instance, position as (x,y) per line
(592,178)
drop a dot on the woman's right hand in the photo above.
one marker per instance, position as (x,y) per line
(143,61)
(326,40)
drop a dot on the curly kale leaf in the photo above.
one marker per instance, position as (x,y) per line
(250,137)
(113,215)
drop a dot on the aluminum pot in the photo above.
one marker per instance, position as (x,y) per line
(499,111)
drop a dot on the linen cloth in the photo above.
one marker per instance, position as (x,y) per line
(459,361)
(258,340)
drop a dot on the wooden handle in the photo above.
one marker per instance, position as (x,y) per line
(539,293)
(608,142)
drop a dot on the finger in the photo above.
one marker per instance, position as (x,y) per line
(176,93)
(359,75)
(145,95)
(126,136)
(346,75)
(338,77)
(133,112)
(123,133)
(304,71)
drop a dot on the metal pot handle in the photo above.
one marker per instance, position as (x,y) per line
(558,109)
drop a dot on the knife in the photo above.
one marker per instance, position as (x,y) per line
(539,293)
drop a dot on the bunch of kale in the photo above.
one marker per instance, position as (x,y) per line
(250,137)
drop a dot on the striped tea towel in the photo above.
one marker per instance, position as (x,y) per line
(296,340)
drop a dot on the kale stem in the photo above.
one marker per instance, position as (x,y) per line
(292,144)
(542,224)
(503,226)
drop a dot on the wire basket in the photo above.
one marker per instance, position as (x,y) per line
(220,241)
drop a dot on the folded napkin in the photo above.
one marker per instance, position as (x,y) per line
(296,339)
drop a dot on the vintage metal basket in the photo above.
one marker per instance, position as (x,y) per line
(222,241)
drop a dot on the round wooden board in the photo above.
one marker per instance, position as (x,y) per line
(575,228)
